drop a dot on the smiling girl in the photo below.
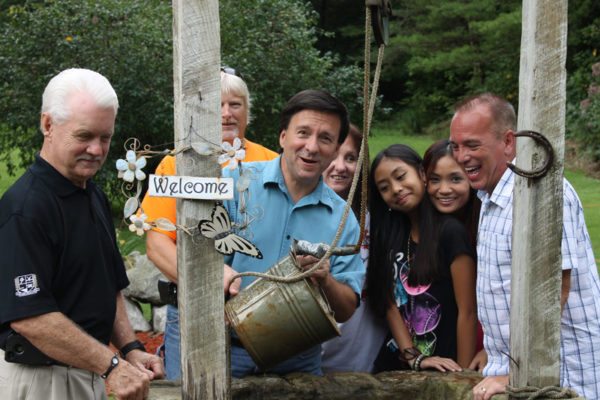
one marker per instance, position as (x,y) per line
(449,187)
(421,274)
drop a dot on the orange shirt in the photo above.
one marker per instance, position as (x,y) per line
(164,207)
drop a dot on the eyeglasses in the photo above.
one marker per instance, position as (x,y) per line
(231,71)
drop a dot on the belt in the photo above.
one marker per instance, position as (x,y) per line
(167,291)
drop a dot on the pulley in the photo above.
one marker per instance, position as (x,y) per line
(381,11)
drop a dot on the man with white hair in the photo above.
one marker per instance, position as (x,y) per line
(62,273)
(161,245)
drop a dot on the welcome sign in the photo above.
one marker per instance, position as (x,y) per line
(190,187)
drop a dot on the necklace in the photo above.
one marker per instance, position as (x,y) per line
(408,253)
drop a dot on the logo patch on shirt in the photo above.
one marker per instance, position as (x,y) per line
(26,285)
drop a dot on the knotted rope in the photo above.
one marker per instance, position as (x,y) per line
(548,392)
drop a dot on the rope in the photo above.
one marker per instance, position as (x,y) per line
(548,392)
(368,108)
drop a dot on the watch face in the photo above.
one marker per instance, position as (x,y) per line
(115,361)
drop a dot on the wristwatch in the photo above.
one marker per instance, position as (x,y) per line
(113,363)
(135,345)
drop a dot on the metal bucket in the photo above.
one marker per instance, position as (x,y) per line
(277,321)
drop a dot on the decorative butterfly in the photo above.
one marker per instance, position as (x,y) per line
(218,227)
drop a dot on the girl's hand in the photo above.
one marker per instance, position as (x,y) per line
(479,361)
(439,363)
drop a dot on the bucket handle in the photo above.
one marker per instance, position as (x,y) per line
(301,247)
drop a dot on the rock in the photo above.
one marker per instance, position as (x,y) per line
(143,278)
(136,317)
(427,385)
(159,318)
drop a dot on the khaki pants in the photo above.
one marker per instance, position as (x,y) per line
(26,382)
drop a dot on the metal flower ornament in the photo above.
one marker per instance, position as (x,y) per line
(232,153)
(130,170)
(131,167)
(139,224)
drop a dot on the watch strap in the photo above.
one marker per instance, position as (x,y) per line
(135,345)
(113,363)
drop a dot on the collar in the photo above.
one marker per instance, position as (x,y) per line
(272,175)
(55,181)
(502,194)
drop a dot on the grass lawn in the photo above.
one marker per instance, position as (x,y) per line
(588,189)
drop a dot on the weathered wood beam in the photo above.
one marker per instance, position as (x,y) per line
(196,62)
(537,214)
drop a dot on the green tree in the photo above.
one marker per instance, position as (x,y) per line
(583,79)
(272,42)
(443,50)
(342,25)
(123,40)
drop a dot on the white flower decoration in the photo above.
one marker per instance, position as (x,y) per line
(233,154)
(131,168)
(139,224)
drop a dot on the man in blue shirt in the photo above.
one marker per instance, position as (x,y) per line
(292,202)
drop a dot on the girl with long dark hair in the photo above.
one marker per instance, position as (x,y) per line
(449,188)
(421,274)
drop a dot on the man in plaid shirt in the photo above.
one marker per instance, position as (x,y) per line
(482,136)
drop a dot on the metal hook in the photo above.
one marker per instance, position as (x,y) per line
(543,170)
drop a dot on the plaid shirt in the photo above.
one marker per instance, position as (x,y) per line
(580,332)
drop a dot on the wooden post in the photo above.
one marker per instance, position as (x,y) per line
(196,74)
(537,214)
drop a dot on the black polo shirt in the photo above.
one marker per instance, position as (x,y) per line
(58,252)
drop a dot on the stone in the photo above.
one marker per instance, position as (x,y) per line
(143,278)
(136,317)
(426,385)
(159,318)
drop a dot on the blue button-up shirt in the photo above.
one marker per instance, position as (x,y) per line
(275,220)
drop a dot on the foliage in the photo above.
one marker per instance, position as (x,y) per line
(130,41)
(129,243)
(444,50)
(123,40)
(342,27)
(273,43)
(583,119)
(583,81)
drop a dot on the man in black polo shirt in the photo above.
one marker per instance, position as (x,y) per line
(62,273)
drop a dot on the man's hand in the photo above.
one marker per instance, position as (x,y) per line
(479,361)
(490,386)
(319,277)
(128,382)
(150,364)
(229,273)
